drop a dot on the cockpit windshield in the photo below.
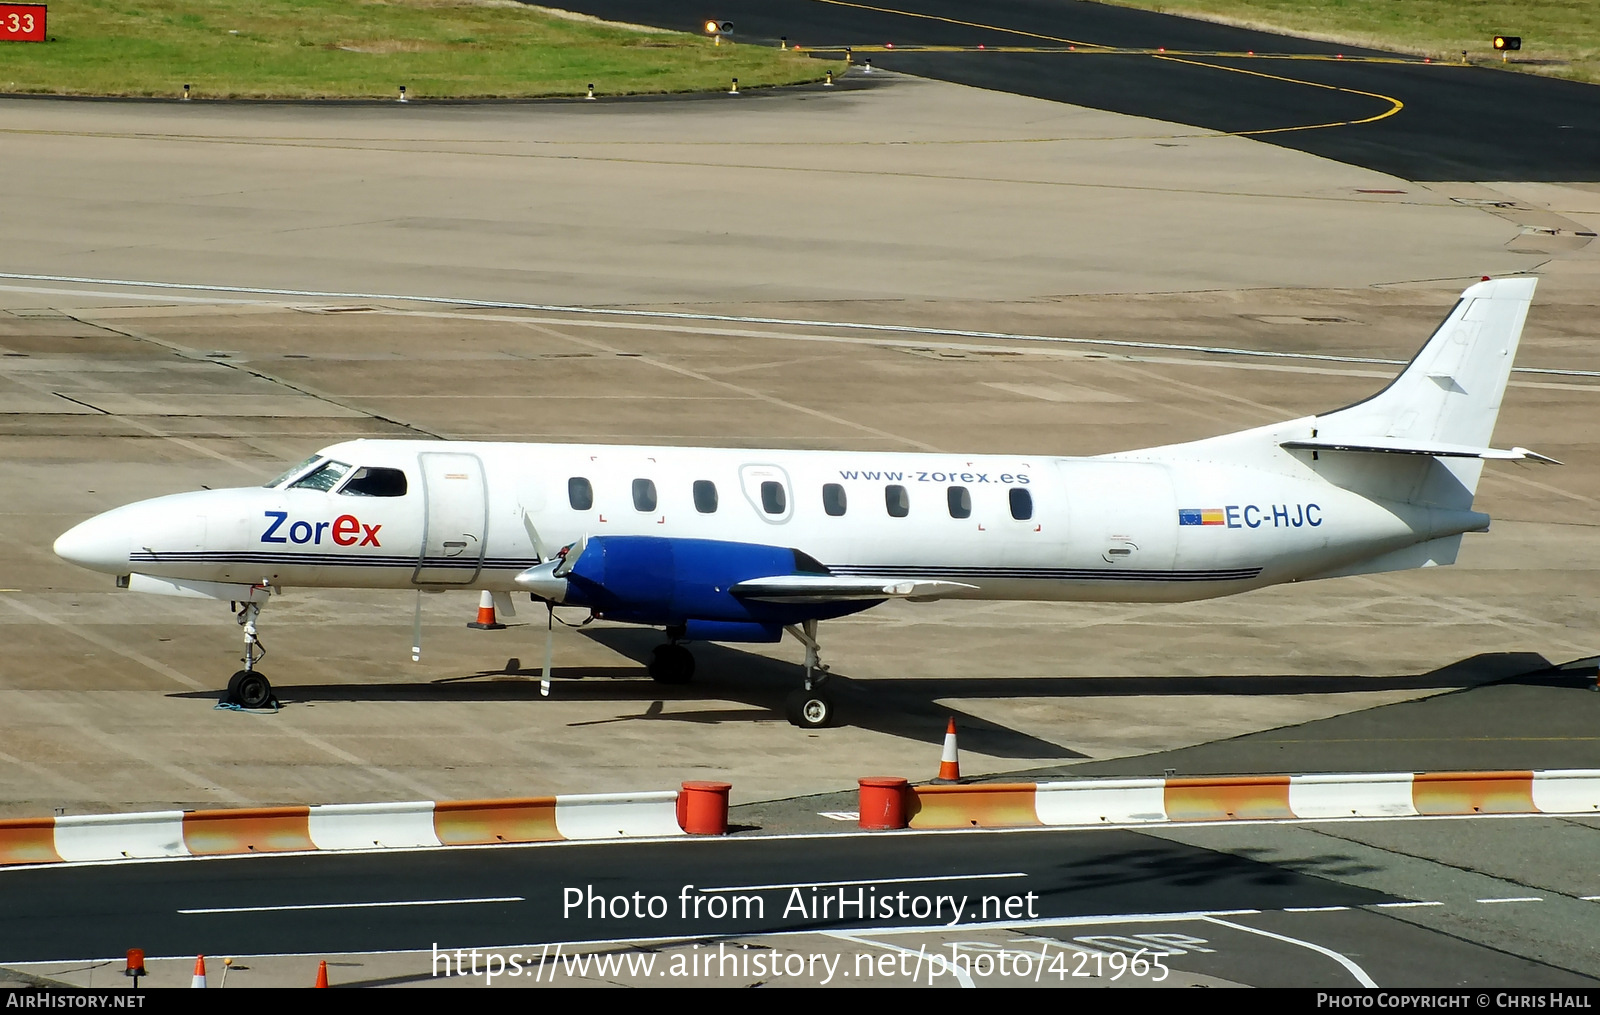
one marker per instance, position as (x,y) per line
(325,477)
(295,471)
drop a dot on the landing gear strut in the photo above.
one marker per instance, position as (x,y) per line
(672,664)
(811,707)
(249,688)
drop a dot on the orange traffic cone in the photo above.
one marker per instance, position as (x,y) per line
(199,972)
(950,760)
(486,621)
(322,974)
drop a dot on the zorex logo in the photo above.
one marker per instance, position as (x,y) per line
(346,530)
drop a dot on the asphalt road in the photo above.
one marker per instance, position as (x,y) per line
(62,913)
(1453,122)
(1298,920)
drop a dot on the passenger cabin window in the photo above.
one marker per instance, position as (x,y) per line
(580,494)
(374,481)
(644,495)
(705,496)
(960,502)
(897,501)
(773,500)
(833,500)
(291,473)
(325,478)
(1021,504)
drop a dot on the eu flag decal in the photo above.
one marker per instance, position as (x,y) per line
(1201,516)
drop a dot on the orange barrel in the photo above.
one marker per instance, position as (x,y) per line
(703,808)
(883,801)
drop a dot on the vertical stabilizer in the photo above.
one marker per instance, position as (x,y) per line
(1450,393)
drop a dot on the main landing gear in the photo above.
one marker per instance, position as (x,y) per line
(671,664)
(811,707)
(249,688)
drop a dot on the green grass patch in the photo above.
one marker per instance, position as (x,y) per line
(1559,37)
(311,49)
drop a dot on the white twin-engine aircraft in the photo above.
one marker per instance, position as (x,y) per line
(729,545)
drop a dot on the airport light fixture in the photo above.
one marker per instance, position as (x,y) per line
(717,29)
(1504,44)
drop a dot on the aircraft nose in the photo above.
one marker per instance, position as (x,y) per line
(100,544)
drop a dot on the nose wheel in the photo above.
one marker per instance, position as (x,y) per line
(249,687)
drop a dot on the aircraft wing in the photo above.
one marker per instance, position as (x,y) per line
(1406,446)
(827,588)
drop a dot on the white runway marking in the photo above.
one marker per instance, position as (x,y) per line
(1519,898)
(350,905)
(1355,970)
(737,319)
(1316,909)
(1403,905)
(868,881)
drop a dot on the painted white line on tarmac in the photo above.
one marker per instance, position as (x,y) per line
(350,905)
(1047,921)
(1518,898)
(1403,905)
(903,329)
(1343,960)
(869,881)
(1316,909)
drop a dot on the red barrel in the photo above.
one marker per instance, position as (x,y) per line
(883,801)
(703,808)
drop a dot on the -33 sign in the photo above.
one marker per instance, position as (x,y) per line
(22,22)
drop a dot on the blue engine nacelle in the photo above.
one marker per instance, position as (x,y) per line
(685,582)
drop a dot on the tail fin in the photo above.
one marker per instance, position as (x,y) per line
(1451,391)
(1447,397)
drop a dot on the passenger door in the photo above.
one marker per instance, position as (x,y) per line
(455,519)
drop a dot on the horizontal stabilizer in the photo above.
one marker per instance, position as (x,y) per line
(828,588)
(1403,446)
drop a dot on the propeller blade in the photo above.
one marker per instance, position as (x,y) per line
(549,649)
(533,537)
(416,630)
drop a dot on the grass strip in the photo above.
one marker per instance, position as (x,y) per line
(340,49)
(1559,37)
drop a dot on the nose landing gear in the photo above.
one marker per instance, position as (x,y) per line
(249,688)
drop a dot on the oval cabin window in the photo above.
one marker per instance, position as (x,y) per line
(705,496)
(644,495)
(580,494)
(1021,504)
(773,499)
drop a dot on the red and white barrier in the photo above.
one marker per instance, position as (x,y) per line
(1254,797)
(339,827)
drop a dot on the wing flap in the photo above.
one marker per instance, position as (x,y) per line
(1405,446)
(828,588)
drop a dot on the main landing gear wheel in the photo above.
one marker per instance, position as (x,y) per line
(672,664)
(809,710)
(250,689)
